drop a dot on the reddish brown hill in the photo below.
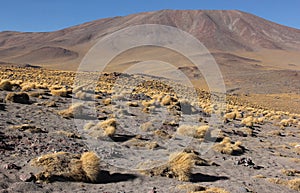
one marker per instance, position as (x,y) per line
(221,31)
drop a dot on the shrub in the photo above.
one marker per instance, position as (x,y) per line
(73,111)
(179,166)
(6,85)
(63,92)
(192,131)
(227,147)
(21,97)
(68,167)
(293,184)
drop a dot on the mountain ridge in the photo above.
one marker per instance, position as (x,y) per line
(218,30)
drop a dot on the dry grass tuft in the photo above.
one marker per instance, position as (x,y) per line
(194,188)
(148,126)
(290,172)
(28,128)
(109,122)
(88,126)
(192,131)
(162,134)
(179,166)
(6,85)
(134,142)
(293,184)
(28,86)
(227,147)
(37,93)
(248,121)
(73,111)
(63,92)
(107,101)
(91,165)
(133,104)
(21,97)
(68,134)
(105,128)
(63,166)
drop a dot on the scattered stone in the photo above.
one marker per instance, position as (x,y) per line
(245,162)
(11,166)
(27,177)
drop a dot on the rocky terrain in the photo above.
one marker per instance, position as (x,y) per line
(56,137)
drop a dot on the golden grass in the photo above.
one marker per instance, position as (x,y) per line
(20,97)
(192,131)
(194,188)
(27,128)
(105,128)
(63,92)
(134,142)
(6,85)
(88,125)
(28,86)
(68,167)
(73,111)
(290,172)
(227,147)
(179,166)
(133,104)
(293,184)
(162,134)
(248,121)
(148,126)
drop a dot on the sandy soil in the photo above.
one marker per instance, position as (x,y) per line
(269,145)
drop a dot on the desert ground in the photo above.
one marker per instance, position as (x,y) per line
(56,137)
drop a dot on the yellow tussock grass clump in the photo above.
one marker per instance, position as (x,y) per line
(73,111)
(6,85)
(109,131)
(167,100)
(248,121)
(88,126)
(162,134)
(20,97)
(63,92)
(231,115)
(109,122)
(105,128)
(227,147)
(28,86)
(291,172)
(179,166)
(148,103)
(91,165)
(107,101)
(148,126)
(132,104)
(192,131)
(293,184)
(194,188)
(68,167)
(134,142)
(28,128)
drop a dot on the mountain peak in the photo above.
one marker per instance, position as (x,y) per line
(218,30)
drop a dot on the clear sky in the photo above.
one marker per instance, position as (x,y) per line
(50,15)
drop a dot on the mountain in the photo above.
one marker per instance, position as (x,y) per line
(220,31)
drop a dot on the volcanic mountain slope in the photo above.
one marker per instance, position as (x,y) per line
(220,31)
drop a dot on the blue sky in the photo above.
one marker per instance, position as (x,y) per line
(50,15)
